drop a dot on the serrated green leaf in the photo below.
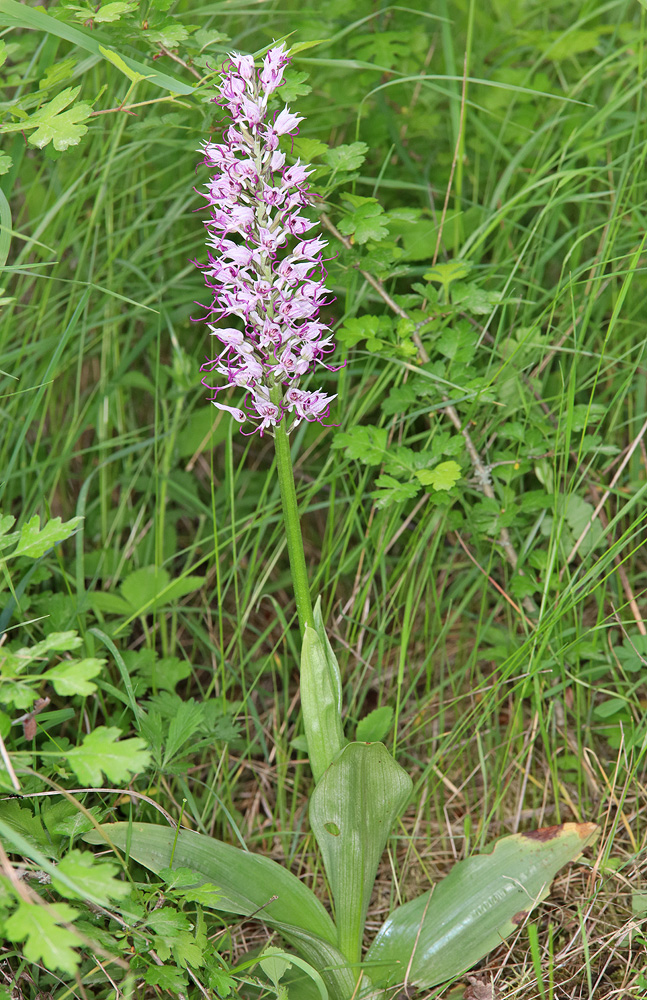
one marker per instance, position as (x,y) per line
(308,149)
(35,542)
(390,490)
(374,726)
(6,164)
(366,444)
(168,977)
(444,932)
(20,15)
(45,938)
(96,877)
(59,642)
(53,124)
(108,13)
(442,477)
(22,820)
(73,676)
(101,753)
(367,222)
(400,399)
(445,274)
(110,604)
(346,157)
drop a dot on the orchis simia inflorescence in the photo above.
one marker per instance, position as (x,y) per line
(262,266)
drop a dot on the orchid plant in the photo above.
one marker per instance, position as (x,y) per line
(266,274)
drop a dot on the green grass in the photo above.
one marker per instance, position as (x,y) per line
(515,708)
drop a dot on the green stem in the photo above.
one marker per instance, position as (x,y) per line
(293,527)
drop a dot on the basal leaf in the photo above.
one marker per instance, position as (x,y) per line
(468,914)
(352,812)
(248,883)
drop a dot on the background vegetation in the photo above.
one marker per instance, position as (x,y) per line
(474,520)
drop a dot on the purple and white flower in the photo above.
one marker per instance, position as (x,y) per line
(261,267)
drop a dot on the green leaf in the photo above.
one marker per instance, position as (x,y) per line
(390,490)
(121,65)
(73,676)
(107,13)
(150,588)
(320,697)
(46,939)
(469,913)
(366,444)
(96,877)
(22,821)
(374,726)
(52,123)
(247,883)
(352,812)
(34,542)
(275,964)
(168,977)
(100,753)
(348,157)
(366,223)
(445,274)
(18,15)
(442,477)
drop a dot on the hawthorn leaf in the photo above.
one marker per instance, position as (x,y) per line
(366,444)
(390,490)
(442,477)
(54,124)
(346,157)
(101,753)
(46,937)
(34,542)
(96,877)
(73,676)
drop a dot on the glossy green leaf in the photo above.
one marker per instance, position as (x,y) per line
(483,900)
(352,812)
(320,697)
(247,885)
